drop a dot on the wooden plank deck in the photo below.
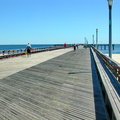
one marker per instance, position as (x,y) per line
(58,89)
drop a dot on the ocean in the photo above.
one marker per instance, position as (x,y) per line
(116,49)
(23,46)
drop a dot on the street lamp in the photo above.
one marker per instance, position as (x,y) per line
(96,38)
(110,2)
(93,40)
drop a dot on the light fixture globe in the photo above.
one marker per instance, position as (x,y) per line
(110,2)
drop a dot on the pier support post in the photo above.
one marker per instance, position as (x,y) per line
(113,46)
(104,47)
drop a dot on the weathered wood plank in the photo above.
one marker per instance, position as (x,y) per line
(58,89)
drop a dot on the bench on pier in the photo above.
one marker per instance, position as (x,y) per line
(111,97)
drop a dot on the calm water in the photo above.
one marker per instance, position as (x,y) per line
(115,51)
(11,47)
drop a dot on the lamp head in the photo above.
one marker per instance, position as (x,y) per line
(110,2)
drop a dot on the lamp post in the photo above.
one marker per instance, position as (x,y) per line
(96,38)
(93,40)
(110,2)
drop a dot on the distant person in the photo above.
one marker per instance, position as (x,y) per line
(77,46)
(65,45)
(74,46)
(28,48)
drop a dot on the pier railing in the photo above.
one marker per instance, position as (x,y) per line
(19,52)
(110,94)
(112,65)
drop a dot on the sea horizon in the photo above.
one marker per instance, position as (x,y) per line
(23,46)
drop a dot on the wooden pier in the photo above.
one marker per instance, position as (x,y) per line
(63,88)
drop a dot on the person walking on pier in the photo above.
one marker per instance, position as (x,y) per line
(74,46)
(65,45)
(77,46)
(28,48)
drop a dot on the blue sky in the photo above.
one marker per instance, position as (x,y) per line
(57,21)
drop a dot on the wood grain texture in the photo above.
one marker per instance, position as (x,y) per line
(58,89)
